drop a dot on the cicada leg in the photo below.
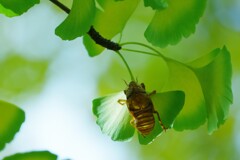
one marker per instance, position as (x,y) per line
(160,121)
(122,101)
(152,93)
(133,122)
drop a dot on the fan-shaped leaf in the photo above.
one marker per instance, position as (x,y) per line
(178,20)
(78,21)
(36,155)
(183,78)
(113,118)
(214,72)
(11,119)
(7,12)
(16,6)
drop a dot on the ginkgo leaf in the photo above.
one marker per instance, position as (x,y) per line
(113,117)
(181,77)
(35,155)
(7,12)
(30,75)
(178,20)
(168,105)
(156,4)
(79,20)
(214,72)
(17,6)
(109,22)
(11,119)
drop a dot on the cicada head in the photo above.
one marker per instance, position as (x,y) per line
(133,88)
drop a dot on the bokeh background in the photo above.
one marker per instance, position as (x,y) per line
(54,82)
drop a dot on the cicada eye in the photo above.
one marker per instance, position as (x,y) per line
(142,85)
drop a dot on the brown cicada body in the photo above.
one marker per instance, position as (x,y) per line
(140,107)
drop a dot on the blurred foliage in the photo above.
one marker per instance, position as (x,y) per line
(19,75)
(11,119)
(193,145)
(35,155)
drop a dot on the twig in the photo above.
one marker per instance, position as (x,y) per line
(96,37)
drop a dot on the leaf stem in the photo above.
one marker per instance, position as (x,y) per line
(144,45)
(138,51)
(126,64)
(60,5)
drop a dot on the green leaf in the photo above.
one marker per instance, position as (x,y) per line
(214,72)
(19,75)
(16,6)
(11,119)
(183,78)
(156,4)
(35,155)
(109,22)
(113,118)
(7,12)
(168,105)
(178,20)
(78,21)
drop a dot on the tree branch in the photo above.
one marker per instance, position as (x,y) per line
(96,37)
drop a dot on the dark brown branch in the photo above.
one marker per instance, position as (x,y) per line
(96,37)
(60,5)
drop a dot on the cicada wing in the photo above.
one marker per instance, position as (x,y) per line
(113,117)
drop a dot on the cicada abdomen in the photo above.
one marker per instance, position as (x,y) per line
(141,108)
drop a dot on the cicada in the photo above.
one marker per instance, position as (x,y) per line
(141,108)
(120,114)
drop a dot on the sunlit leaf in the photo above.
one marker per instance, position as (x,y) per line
(168,105)
(156,4)
(183,78)
(35,155)
(214,72)
(7,12)
(78,21)
(178,20)
(109,22)
(11,119)
(113,117)
(17,6)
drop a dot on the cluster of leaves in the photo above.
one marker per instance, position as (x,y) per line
(168,25)
(206,81)
(11,116)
